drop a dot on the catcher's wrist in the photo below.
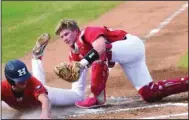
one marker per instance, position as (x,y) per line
(90,57)
(84,62)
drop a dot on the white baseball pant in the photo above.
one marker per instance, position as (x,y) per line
(60,96)
(130,54)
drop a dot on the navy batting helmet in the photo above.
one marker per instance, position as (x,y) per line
(16,71)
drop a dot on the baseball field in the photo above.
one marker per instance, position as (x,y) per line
(162,25)
(22,21)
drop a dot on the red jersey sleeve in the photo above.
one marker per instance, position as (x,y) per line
(92,33)
(37,87)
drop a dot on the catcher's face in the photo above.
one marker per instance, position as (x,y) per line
(68,36)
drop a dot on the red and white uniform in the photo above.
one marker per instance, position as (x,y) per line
(129,51)
(83,45)
(36,85)
(30,98)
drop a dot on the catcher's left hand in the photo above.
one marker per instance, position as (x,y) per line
(69,72)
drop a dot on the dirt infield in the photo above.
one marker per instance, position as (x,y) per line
(163,51)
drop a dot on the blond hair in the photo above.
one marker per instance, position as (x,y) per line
(66,24)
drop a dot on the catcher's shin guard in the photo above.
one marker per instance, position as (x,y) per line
(100,74)
(156,91)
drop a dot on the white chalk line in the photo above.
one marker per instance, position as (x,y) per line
(166,116)
(104,111)
(165,22)
(156,30)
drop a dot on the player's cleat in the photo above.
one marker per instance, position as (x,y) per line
(40,45)
(92,102)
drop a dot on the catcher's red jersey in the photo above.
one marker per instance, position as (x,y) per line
(87,36)
(30,98)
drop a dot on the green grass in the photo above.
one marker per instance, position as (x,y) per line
(24,21)
(183,63)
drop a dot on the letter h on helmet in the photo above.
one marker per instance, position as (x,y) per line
(16,71)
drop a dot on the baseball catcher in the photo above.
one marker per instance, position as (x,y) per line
(100,47)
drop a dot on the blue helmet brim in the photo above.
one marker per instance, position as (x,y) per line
(21,79)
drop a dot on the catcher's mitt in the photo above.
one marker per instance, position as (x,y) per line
(69,72)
